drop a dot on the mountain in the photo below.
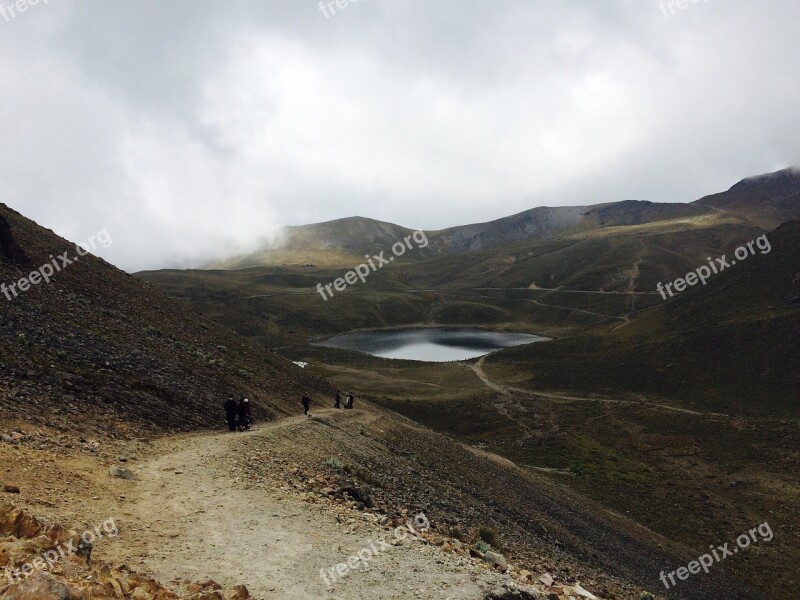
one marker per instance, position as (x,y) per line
(766,200)
(345,240)
(96,341)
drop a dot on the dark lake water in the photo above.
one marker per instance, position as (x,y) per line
(430,345)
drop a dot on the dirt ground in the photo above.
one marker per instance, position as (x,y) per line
(190,515)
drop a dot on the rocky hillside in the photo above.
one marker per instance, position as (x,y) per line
(767,200)
(98,349)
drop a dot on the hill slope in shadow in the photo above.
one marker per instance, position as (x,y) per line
(732,345)
(100,348)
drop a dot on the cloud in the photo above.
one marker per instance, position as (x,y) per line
(192,130)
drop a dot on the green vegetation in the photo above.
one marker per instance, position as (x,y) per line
(334,463)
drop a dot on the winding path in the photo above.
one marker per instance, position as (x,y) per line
(478,369)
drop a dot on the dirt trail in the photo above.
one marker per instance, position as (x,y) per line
(189,518)
(580,310)
(506,390)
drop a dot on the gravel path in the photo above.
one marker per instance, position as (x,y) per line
(194,521)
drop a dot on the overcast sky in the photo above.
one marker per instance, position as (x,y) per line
(192,129)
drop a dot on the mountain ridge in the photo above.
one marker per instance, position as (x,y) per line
(764,201)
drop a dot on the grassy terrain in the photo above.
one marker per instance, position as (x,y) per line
(731,346)
(699,480)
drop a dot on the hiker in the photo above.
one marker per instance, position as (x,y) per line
(350,399)
(338,398)
(306,405)
(230,412)
(245,416)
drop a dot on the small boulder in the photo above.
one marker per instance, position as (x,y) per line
(11,489)
(240,592)
(41,587)
(210,583)
(122,473)
(547,580)
(579,591)
(498,561)
(141,594)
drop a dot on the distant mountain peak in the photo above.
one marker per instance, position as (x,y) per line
(789,177)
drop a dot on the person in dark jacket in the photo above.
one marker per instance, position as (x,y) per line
(338,400)
(306,404)
(231,408)
(245,416)
(350,399)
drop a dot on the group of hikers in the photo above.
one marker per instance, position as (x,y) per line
(238,414)
(306,401)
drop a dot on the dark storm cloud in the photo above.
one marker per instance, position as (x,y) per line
(193,129)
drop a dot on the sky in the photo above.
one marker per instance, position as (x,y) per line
(191,130)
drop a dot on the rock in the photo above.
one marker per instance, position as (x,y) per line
(240,592)
(14,521)
(208,595)
(498,561)
(122,473)
(510,591)
(583,593)
(41,587)
(141,594)
(475,553)
(11,489)
(359,494)
(547,580)
(210,583)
